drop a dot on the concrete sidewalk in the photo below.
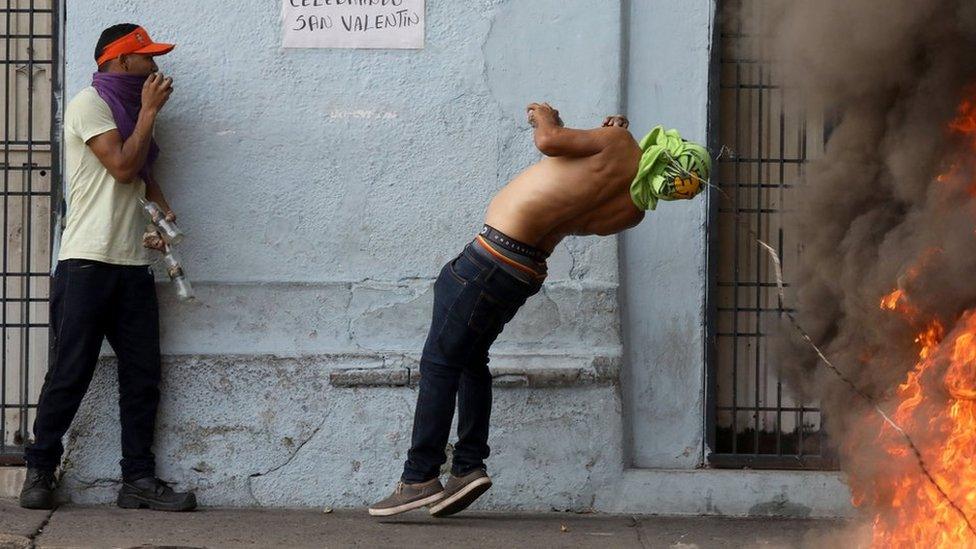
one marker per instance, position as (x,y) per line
(213,528)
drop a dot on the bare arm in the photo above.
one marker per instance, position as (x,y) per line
(125,158)
(154,193)
(552,139)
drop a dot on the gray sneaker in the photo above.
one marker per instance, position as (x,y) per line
(461,492)
(408,497)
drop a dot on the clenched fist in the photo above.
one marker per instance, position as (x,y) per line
(616,120)
(542,114)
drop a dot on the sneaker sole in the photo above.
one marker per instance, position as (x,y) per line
(459,501)
(135,502)
(406,506)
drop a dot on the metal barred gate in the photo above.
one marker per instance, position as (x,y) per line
(30,194)
(752,419)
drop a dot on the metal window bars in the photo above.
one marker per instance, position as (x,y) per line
(30,195)
(752,420)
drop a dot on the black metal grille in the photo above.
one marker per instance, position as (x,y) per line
(31,160)
(753,421)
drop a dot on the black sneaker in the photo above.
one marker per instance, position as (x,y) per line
(460,492)
(408,497)
(152,493)
(38,490)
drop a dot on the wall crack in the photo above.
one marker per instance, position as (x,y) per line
(291,457)
(97,483)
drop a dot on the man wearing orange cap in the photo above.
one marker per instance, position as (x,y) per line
(103,286)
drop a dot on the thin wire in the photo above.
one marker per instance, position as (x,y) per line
(778,265)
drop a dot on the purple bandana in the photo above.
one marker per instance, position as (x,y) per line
(123,93)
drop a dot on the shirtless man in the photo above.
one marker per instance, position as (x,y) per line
(597,181)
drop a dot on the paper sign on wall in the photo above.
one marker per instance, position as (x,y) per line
(391,24)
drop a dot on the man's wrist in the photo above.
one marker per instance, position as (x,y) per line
(546,129)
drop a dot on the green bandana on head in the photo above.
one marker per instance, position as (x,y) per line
(670,169)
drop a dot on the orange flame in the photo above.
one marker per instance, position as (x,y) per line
(965,122)
(937,406)
(890,301)
(965,126)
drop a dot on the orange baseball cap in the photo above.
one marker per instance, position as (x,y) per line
(137,41)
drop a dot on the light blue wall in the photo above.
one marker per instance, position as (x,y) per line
(323,189)
(317,172)
(280,178)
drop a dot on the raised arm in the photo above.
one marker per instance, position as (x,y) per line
(553,139)
(125,158)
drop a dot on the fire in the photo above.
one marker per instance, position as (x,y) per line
(890,301)
(961,377)
(929,339)
(965,122)
(936,406)
(965,126)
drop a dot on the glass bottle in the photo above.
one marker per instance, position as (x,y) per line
(174,268)
(168,229)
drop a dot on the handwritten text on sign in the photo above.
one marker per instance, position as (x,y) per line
(393,24)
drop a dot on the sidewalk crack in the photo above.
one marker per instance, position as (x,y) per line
(40,529)
(638,525)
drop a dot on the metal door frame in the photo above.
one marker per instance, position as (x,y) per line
(723,455)
(13,454)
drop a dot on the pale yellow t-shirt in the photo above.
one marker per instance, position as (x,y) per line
(105,221)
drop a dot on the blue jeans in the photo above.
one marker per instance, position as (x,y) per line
(473,300)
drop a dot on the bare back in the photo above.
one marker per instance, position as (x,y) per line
(563,196)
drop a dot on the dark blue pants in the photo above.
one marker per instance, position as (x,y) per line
(91,301)
(473,300)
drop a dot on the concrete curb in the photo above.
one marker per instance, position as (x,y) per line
(729,493)
(11,479)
